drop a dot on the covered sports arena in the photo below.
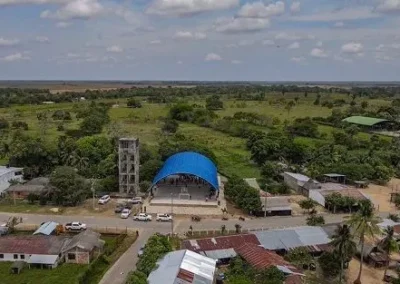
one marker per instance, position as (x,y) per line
(186,179)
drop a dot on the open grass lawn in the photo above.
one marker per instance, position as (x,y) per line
(145,123)
(65,274)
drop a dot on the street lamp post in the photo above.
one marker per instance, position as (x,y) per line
(172,212)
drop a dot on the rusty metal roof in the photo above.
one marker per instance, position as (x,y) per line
(223,242)
(50,245)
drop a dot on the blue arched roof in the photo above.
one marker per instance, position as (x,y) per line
(189,163)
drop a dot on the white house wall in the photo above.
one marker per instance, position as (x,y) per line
(10,257)
(290,182)
(317,197)
(5,178)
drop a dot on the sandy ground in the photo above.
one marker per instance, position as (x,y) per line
(381,195)
(370,275)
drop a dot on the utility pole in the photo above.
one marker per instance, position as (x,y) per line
(265,206)
(94,193)
(172,212)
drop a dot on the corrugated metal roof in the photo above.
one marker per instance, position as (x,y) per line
(292,238)
(32,244)
(189,163)
(43,259)
(220,253)
(46,229)
(364,120)
(223,242)
(298,177)
(261,258)
(183,265)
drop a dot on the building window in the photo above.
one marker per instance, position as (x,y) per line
(15,256)
(1,256)
(22,256)
(71,256)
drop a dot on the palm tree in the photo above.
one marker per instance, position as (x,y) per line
(364,224)
(344,246)
(237,228)
(388,244)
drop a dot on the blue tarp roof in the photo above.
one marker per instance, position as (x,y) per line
(47,228)
(191,163)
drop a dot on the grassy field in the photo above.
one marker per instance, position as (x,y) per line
(66,274)
(145,123)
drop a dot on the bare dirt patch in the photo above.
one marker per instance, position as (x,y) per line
(370,275)
(381,195)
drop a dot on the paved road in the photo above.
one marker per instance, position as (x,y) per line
(118,273)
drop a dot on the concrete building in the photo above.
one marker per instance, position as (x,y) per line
(184,267)
(7,174)
(295,181)
(83,247)
(129,163)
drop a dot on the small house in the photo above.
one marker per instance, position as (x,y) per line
(46,229)
(83,247)
(8,174)
(275,206)
(36,186)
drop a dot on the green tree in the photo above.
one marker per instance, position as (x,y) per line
(69,188)
(388,244)
(170,126)
(134,103)
(330,264)
(364,104)
(4,123)
(344,246)
(364,224)
(137,277)
(32,197)
(299,256)
(238,227)
(144,186)
(271,275)
(149,169)
(307,204)
(214,103)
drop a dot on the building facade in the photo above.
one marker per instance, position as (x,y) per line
(8,174)
(129,162)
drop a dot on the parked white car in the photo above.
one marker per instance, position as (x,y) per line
(76,226)
(125,213)
(136,200)
(163,217)
(142,217)
(104,199)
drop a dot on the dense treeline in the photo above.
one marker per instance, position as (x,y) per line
(11,96)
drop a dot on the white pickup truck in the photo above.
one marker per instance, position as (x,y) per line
(75,226)
(142,217)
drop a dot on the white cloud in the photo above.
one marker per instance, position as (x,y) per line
(338,15)
(318,52)
(339,25)
(32,2)
(63,25)
(260,10)
(246,42)
(115,49)
(179,62)
(319,43)
(75,9)
(213,57)
(236,62)
(238,25)
(42,39)
(268,42)
(294,45)
(189,7)
(388,6)
(189,35)
(286,36)
(298,59)
(352,47)
(73,55)
(8,42)
(343,59)
(14,57)
(156,41)
(295,7)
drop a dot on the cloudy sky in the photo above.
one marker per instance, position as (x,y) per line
(200,40)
